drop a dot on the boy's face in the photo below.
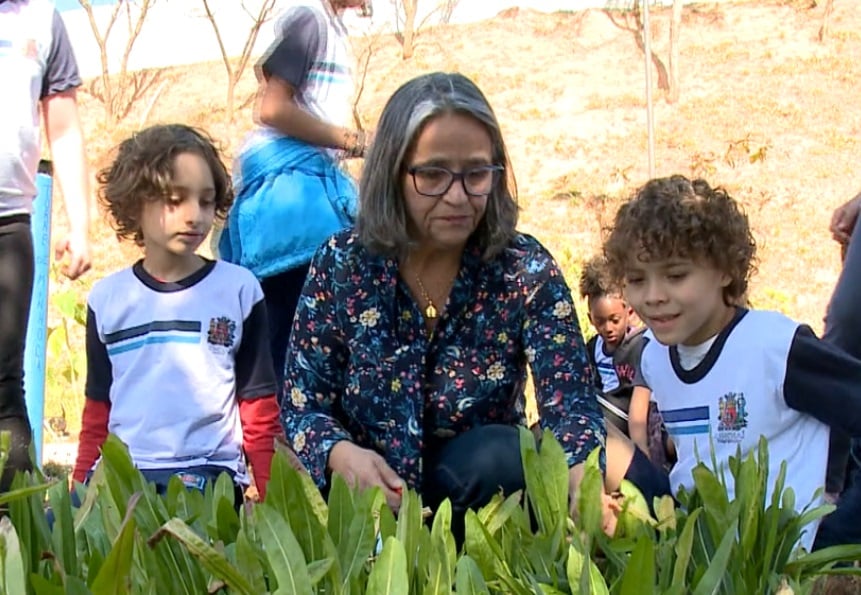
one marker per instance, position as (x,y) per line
(680,300)
(609,315)
(174,228)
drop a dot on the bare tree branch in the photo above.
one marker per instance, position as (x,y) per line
(826,21)
(224,56)
(633,24)
(675,51)
(234,73)
(364,62)
(406,12)
(119,93)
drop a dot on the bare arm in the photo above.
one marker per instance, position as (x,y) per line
(638,417)
(63,131)
(278,108)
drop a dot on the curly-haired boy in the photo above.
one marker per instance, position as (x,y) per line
(724,375)
(178,363)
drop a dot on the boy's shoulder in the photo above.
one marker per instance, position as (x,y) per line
(763,334)
(635,337)
(767,327)
(220,270)
(112,283)
(632,344)
(230,279)
(769,316)
(238,274)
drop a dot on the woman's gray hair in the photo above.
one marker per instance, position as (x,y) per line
(382,220)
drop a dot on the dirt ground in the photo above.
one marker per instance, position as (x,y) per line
(765,110)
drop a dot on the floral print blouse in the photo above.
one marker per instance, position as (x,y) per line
(360,365)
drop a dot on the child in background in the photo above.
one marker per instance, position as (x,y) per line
(614,353)
(178,361)
(724,375)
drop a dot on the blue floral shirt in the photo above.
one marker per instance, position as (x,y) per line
(361,367)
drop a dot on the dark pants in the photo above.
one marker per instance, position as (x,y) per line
(471,468)
(843,328)
(16,287)
(282,292)
(652,480)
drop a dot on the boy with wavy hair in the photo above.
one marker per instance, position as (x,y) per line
(724,375)
(178,364)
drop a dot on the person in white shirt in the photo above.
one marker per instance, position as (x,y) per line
(40,76)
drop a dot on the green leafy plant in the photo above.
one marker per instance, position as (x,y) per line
(125,538)
(67,360)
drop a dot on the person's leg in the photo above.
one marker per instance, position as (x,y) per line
(19,449)
(842,526)
(282,292)
(843,329)
(16,287)
(471,468)
(853,476)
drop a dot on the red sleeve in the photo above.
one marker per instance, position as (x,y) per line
(94,432)
(260,426)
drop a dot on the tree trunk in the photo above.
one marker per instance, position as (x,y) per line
(410,9)
(231,92)
(675,30)
(826,18)
(639,33)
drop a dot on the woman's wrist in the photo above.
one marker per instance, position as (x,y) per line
(335,453)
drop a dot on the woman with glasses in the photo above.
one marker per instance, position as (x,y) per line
(408,358)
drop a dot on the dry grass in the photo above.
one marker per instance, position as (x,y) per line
(567,88)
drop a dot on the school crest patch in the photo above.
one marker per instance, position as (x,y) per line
(222,332)
(732,417)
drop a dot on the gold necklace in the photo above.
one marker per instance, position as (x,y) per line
(430,311)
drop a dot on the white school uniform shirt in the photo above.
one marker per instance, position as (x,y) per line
(758,378)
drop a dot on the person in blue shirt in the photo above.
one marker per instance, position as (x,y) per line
(292,191)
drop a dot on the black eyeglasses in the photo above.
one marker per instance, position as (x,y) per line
(435,181)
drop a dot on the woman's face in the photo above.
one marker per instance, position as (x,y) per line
(450,143)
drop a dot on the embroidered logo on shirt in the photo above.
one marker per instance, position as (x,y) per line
(732,417)
(222,331)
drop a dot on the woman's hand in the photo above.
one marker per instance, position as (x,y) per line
(365,468)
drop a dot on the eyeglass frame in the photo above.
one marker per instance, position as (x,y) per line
(495,170)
